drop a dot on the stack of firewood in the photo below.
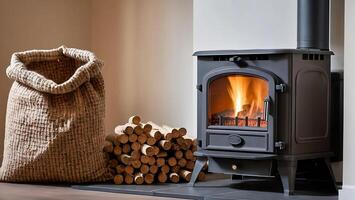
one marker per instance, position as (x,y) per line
(146,153)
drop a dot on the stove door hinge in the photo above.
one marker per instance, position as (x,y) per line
(280,145)
(281,88)
(199,87)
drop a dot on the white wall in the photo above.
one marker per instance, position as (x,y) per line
(257,24)
(348,190)
(147,49)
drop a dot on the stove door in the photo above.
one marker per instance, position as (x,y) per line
(239,106)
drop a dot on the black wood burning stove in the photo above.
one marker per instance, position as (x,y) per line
(260,112)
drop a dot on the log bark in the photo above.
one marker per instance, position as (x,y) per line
(162,154)
(139,179)
(127,129)
(148,150)
(174,177)
(165,144)
(125,159)
(186,175)
(201,176)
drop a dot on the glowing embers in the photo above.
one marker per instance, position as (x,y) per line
(238,100)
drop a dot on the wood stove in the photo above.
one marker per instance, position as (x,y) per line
(261,112)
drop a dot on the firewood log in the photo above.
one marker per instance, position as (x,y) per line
(132,138)
(156,134)
(201,176)
(138,130)
(165,169)
(148,150)
(139,179)
(179,154)
(146,127)
(190,165)
(151,160)
(134,120)
(175,169)
(180,141)
(182,162)
(182,132)
(153,169)
(151,141)
(142,138)
(128,179)
(113,137)
(112,163)
(127,129)
(189,155)
(162,177)
(136,146)
(118,179)
(136,164)
(156,150)
(186,175)
(135,155)
(144,159)
(117,150)
(173,131)
(125,159)
(149,178)
(188,141)
(120,169)
(126,148)
(129,169)
(144,169)
(166,134)
(172,161)
(108,147)
(174,177)
(165,144)
(175,147)
(160,162)
(162,154)
(183,146)
(112,171)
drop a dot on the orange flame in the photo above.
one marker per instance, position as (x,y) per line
(248,95)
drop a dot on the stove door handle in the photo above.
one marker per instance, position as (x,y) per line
(266,108)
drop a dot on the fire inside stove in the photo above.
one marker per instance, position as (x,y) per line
(238,100)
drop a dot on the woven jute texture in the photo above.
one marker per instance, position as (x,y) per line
(54,122)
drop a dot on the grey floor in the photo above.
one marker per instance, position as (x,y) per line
(223,188)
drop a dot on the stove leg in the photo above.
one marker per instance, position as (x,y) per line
(287,172)
(200,162)
(328,164)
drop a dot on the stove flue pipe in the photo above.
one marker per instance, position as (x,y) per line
(313,24)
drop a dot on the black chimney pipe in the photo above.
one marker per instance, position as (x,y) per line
(313,24)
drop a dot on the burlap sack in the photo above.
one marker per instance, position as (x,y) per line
(54,121)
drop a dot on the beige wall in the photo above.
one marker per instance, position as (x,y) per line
(31,24)
(147,49)
(146,46)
